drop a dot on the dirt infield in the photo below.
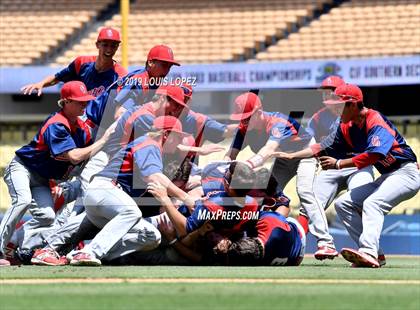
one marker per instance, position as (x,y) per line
(209,280)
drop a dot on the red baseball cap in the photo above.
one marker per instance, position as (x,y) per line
(245,105)
(162,53)
(109,33)
(174,92)
(188,90)
(75,90)
(169,123)
(346,93)
(332,81)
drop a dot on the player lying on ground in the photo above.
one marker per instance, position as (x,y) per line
(270,240)
(377,142)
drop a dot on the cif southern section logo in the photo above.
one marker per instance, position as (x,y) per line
(326,70)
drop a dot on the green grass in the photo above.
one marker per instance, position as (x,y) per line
(291,295)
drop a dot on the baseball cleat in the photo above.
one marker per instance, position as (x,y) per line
(325,252)
(381,260)
(4,262)
(85,259)
(359,259)
(47,257)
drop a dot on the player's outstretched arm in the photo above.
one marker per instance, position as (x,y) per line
(77,155)
(202,150)
(263,155)
(172,189)
(230,130)
(231,154)
(178,220)
(305,153)
(48,81)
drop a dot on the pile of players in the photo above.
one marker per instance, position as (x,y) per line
(120,170)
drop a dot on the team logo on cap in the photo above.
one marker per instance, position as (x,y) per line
(376,141)
(82,89)
(170,52)
(109,33)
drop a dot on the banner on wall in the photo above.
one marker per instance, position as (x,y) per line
(231,76)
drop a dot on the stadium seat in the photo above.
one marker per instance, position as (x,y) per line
(202,31)
(358,28)
(35,28)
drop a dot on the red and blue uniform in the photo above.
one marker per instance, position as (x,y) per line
(290,135)
(212,177)
(56,136)
(322,123)
(213,209)
(377,136)
(83,69)
(138,120)
(203,127)
(134,123)
(128,167)
(281,239)
(128,92)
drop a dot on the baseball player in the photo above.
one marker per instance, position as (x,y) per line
(103,111)
(266,132)
(109,200)
(271,240)
(373,140)
(329,183)
(232,199)
(63,141)
(213,178)
(96,72)
(135,88)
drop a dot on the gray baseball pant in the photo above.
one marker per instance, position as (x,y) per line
(110,208)
(329,183)
(28,191)
(362,209)
(305,171)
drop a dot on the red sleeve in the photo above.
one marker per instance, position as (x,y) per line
(121,71)
(80,60)
(365,159)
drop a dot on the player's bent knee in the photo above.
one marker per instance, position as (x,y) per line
(371,205)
